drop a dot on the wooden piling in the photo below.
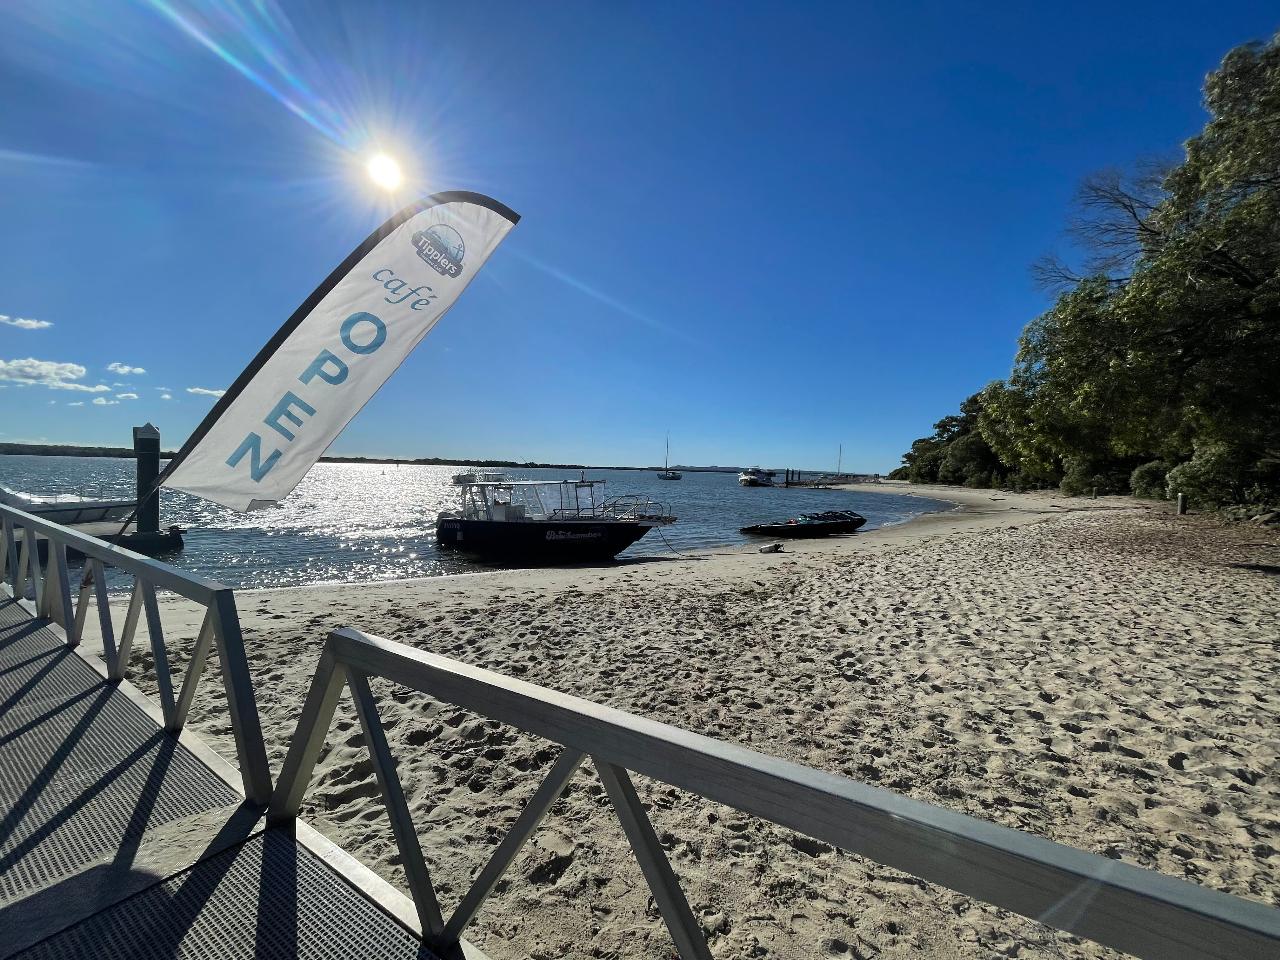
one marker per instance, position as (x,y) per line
(146,448)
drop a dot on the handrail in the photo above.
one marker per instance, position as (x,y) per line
(20,567)
(192,586)
(622,507)
(1132,909)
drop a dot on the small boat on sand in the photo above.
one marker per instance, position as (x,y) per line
(541,521)
(810,525)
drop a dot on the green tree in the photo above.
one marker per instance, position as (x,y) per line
(1165,344)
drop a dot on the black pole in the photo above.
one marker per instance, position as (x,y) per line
(146,447)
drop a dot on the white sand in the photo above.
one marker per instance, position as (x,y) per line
(1096,672)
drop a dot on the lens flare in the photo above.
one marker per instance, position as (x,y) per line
(385,172)
(265,34)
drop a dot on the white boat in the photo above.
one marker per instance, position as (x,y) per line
(546,521)
(65,508)
(666,473)
(755,477)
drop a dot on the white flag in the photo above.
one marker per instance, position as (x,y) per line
(337,349)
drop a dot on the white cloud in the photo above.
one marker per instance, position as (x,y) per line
(22,323)
(47,373)
(124,369)
(166,396)
(104,402)
(205,392)
(32,370)
(82,387)
(164,389)
(76,403)
(126,396)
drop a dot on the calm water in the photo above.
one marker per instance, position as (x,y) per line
(358,522)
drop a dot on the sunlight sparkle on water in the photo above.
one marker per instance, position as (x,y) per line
(365,522)
(384,171)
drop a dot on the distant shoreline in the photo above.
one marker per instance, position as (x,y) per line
(71,450)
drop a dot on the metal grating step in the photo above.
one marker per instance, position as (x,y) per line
(83,771)
(269,899)
(20,636)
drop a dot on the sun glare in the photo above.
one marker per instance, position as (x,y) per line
(385,172)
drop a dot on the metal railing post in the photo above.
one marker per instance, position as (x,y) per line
(45,606)
(384,768)
(10,558)
(238,682)
(535,811)
(662,880)
(20,568)
(159,655)
(33,567)
(116,670)
(60,600)
(76,633)
(308,738)
(195,668)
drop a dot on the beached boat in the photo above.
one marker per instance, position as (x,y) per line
(755,477)
(666,473)
(67,509)
(546,521)
(810,525)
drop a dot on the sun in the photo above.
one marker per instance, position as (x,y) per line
(384,171)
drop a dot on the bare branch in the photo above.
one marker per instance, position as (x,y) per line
(1053,274)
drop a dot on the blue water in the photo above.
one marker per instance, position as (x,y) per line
(360,522)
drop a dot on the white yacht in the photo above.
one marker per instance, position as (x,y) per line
(755,477)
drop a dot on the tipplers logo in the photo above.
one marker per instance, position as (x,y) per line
(441,247)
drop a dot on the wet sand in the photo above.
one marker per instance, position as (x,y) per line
(1100,673)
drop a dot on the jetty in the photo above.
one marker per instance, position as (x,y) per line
(123,834)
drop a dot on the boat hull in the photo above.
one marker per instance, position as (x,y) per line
(67,510)
(832,523)
(796,531)
(72,514)
(538,542)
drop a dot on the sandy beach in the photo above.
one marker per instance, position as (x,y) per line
(1098,672)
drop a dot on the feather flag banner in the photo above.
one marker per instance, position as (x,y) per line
(337,350)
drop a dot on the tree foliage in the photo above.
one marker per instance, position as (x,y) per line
(1164,344)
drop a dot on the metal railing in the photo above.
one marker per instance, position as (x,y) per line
(50,583)
(627,506)
(1135,910)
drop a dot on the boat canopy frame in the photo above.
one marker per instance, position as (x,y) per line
(573,500)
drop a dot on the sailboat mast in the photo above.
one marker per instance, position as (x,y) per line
(839,460)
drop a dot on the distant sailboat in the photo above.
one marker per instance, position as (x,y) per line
(666,473)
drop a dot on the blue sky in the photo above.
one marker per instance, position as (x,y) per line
(769,228)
